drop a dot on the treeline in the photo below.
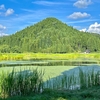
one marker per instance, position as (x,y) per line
(50,36)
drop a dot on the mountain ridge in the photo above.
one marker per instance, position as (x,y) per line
(50,36)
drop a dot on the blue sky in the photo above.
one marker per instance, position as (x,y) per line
(15,15)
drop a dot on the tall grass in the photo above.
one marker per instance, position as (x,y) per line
(21,83)
(28,82)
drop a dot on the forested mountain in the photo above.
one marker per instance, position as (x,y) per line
(50,36)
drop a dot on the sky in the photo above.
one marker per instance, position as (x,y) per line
(16,15)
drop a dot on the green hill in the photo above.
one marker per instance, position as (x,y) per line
(50,36)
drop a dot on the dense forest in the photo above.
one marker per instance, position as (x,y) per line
(50,36)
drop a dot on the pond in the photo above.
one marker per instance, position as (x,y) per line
(56,70)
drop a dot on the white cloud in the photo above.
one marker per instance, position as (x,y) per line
(2,7)
(9,12)
(4,11)
(48,3)
(15,1)
(82,21)
(2,27)
(94,28)
(82,3)
(78,15)
(83,30)
(3,34)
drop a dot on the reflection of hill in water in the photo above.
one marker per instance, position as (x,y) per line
(71,79)
(86,69)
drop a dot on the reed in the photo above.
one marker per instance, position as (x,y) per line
(30,81)
(21,83)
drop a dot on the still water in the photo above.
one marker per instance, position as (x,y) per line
(48,63)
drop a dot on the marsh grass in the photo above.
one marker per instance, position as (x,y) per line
(30,81)
(21,83)
(83,80)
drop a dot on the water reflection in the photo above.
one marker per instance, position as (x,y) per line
(49,63)
(85,69)
(76,78)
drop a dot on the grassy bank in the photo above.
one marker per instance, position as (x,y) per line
(92,93)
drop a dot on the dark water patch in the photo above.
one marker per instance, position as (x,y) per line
(85,69)
(76,78)
(22,63)
(48,63)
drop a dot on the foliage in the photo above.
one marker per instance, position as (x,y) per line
(92,93)
(50,36)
